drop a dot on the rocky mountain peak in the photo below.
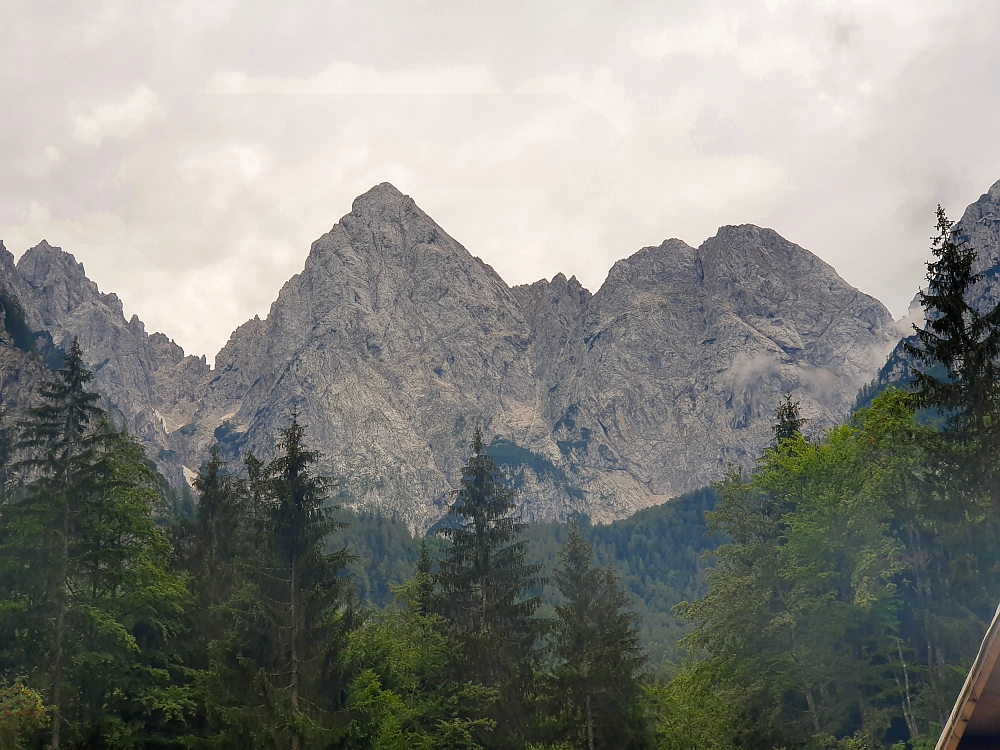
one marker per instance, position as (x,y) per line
(394,342)
(383,196)
(44,261)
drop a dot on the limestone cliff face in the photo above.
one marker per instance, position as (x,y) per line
(147,383)
(685,352)
(390,343)
(394,342)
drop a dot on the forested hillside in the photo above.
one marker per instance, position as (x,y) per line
(662,553)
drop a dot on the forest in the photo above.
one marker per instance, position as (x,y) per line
(832,595)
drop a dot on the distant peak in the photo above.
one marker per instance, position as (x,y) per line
(743,230)
(45,248)
(382,194)
(38,261)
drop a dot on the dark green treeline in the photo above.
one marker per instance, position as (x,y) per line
(123,625)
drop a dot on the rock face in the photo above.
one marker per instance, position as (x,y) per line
(394,341)
(683,354)
(147,383)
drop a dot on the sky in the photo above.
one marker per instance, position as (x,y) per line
(188,153)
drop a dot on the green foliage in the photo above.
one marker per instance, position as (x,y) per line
(595,681)
(965,342)
(484,583)
(848,563)
(663,554)
(384,554)
(403,695)
(90,601)
(276,676)
(697,710)
(788,421)
(22,713)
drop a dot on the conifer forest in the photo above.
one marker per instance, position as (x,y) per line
(832,595)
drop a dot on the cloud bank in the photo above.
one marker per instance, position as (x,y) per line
(188,153)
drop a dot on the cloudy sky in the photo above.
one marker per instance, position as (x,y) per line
(188,152)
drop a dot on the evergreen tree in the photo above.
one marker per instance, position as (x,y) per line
(596,645)
(788,421)
(91,605)
(423,581)
(212,545)
(484,584)
(61,443)
(965,342)
(277,669)
(402,695)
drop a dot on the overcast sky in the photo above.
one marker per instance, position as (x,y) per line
(188,153)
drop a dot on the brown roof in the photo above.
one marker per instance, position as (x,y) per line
(975,720)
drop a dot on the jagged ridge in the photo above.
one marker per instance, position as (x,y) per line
(394,341)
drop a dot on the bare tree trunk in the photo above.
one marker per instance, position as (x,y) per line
(911,720)
(590,725)
(812,708)
(295,659)
(57,667)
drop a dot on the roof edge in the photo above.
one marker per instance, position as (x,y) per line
(973,688)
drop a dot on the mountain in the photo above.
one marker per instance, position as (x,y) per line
(394,341)
(146,382)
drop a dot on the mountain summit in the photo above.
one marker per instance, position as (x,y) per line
(394,342)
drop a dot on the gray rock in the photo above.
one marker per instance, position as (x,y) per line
(394,342)
(148,385)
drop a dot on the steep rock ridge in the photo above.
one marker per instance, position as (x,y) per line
(980,226)
(148,385)
(391,342)
(686,352)
(394,341)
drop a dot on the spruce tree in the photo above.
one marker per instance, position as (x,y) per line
(91,602)
(484,584)
(277,668)
(212,545)
(788,421)
(965,343)
(596,646)
(423,581)
(60,444)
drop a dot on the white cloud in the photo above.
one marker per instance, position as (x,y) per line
(347,78)
(108,120)
(545,137)
(715,36)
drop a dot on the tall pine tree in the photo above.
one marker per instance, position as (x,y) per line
(965,342)
(598,657)
(278,667)
(485,583)
(90,602)
(788,420)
